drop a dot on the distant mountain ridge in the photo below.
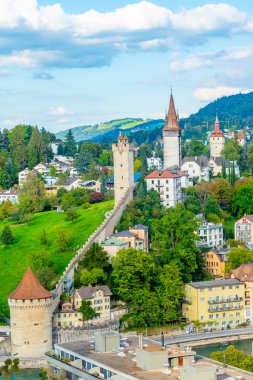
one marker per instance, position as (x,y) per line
(111,129)
(233,110)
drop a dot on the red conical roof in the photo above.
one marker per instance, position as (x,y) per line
(217,132)
(171,119)
(29,288)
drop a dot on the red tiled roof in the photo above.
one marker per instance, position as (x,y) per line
(217,132)
(240,135)
(29,288)
(164,174)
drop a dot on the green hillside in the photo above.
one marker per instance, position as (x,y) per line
(110,130)
(14,259)
(235,111)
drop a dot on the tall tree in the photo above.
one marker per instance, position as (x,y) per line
(82,161)
(174,239)
(70,144)
(87,311)
(31,194)
(95,257)
(37,151)
(18,149)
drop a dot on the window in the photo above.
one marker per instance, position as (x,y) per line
(217,315)
(210,316)
(202,318)
(238,314)
(201,290)
(224,315)
(202,299)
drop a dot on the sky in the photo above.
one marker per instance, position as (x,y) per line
(70,63)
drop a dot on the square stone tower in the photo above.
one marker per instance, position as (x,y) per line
(217,140)
(123,163)
(172,155)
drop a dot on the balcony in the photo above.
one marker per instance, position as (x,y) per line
(188,302)
(220,300)
(214,310)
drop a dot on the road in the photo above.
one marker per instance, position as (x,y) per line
(205,335)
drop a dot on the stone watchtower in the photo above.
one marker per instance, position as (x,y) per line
(123,163)
(217,140)
(30,315)
(172,155)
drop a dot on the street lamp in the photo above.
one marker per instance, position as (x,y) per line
(224,360)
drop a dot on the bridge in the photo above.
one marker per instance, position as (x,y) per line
(103,231)
(199,339)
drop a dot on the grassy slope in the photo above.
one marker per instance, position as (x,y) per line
(14,259)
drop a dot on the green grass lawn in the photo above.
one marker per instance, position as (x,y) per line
(14,259)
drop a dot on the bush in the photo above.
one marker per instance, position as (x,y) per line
(71,215)
(7,237)
(96,197)
(86,205)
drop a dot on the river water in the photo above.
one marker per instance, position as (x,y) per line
(26,375)
(244,345)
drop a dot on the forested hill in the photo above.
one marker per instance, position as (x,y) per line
(233,111)
(110,129)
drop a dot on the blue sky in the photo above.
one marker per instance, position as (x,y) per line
(69,63)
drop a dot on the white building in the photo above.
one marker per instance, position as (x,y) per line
(69,184)
(196,167)
(172,138)
(217,140)
(168,184)
(9,195)
(23,175)
(91,185)
(211,235)
(154,162)
(123,161)
(43,168)
(215,165)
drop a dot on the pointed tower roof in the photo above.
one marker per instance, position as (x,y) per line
(29,288)
(217,132)
(171,119)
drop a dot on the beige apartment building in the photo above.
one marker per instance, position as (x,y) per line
(244,229)
(216,304)
(244,273)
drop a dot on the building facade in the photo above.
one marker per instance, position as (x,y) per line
(154,162)
(244,273)
(172,155)
(217,140)
(197,168)
(244,229)
(216,262)
(216,304)
(168,184)
(123,161)
(9,195)
(30,318)
(211,234)
(99,296)
(216,163)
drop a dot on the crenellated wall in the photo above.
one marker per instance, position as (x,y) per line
(103,231)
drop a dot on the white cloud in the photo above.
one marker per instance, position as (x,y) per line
(208,18)
(93,38)
(59,111)
(191,63)
(208,94)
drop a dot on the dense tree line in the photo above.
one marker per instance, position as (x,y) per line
(21,147)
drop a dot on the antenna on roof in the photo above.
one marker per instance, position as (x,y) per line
(171,89)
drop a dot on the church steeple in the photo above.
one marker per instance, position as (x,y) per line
(171,120)
(171,138)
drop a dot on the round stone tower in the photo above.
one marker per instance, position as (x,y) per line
(30,314)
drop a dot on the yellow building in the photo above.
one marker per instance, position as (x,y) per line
(216,262)
(215,303)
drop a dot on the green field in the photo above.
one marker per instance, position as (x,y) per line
(16,258)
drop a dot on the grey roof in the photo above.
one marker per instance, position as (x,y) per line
(139,227)
(87,292)
(214,283)
(68,181)
(202,161)
(8,192)
(112,242)
(124,234)
(220,160)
